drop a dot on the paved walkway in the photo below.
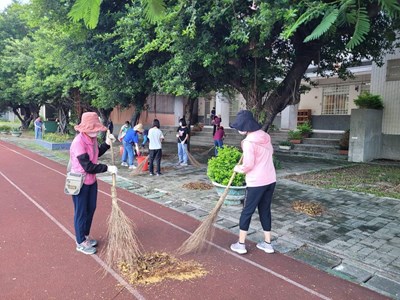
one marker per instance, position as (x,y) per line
(357,238)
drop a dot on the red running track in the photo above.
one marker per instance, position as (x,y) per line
(38,259)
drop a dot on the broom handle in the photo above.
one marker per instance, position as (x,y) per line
(231,180)
(114,179)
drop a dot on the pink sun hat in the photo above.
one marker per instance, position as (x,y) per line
(90,123)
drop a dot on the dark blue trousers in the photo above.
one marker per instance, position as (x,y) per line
(257,197)
(84,208)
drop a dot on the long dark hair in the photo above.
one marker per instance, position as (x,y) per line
(156,123)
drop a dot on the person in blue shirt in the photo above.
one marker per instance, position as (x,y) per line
(145,137)
(131,139)
(38,128)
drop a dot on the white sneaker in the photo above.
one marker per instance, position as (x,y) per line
(86,248)
(184,164)
(265,247)
(239,248)
(132,167)
(91,241)
(124,164)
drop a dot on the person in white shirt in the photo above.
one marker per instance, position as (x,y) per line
(156,138)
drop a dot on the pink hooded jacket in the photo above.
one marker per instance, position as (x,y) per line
(258,164)
(80,145)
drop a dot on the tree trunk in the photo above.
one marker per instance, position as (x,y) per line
(287,93)
(140,100)
(27,117)
(105,116)
(63,120)
(189,117)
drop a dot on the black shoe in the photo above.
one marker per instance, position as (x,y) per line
(159,174)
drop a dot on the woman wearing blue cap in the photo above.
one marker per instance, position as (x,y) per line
(260,173)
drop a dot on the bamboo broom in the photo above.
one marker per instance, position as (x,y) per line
(122,245)
(192,160)
(140,166)
(198,238)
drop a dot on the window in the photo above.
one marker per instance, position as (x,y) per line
(335,100)
(162,104)
(393,70)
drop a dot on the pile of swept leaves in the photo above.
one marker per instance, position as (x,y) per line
(155,267)
(308,207)
(198,185)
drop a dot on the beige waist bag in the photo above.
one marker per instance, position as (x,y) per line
(73,183)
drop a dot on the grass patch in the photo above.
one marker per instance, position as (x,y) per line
(382,181)
(57,138)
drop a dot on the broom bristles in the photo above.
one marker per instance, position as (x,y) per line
(192,160)
(140,166)
(198,238)
(123,244)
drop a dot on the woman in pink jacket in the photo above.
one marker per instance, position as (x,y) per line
(84,154)
(260,173)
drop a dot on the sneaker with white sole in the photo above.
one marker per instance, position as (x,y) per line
(184,164)
(86,248)
(124,164)
(91,241)
(239,248)
(132,167)
(265,247)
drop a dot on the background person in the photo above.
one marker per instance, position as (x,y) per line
(182,135)
(260,173)
(131,140)
(38,128)
(216,122)
(218,139)
(156,138)
(212,115)
(84,154)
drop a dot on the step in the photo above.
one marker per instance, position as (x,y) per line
(294,152)
(316,148)
(321,141)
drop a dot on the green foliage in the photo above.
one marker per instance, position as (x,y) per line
(361,29)
(305,128)
(286,143)
(154,10)
(220,168)
(86,10)
(277,163)
(294,135)
(15,129)
(5,128)
(57,138)
(324,26)
(345,140)
(337,15)
(368,100)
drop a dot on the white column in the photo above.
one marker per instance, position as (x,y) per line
(222,108)
(289,117)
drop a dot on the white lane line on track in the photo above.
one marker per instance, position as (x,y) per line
(288,280)
(116,276)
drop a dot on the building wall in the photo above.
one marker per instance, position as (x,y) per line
(389,90)
(314,100)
